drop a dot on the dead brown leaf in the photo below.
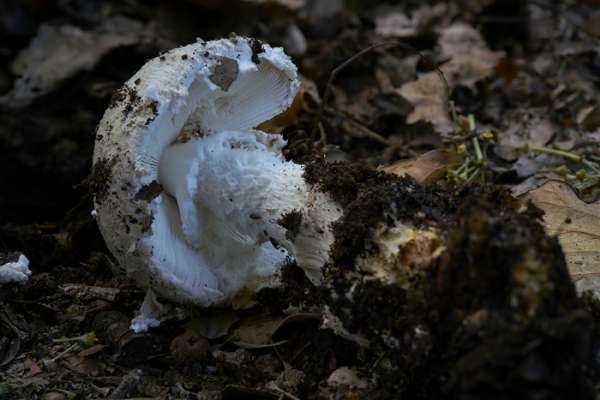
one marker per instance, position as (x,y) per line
(400,70)
(58,53)
(90,351)
(429,167)
(470,61)
(397,24)
(259,329)
(508,69)
(428,95)
(213,323)
(86,293)
(577,227)
(538,133)
(11,352)
(592,25)
(591,121)
(83,366)
(34,369)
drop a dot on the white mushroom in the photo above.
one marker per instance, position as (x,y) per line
(187,194)
(188,198)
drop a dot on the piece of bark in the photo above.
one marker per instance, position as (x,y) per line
(128,383)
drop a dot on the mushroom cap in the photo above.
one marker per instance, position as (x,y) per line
(191,92)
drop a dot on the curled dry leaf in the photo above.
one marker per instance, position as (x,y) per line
(429,167)
(590,118)
(577,227)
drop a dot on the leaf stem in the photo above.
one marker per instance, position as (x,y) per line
(547,150)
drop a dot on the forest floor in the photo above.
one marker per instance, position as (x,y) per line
(480,91)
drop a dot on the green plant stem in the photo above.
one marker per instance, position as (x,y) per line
(471,123)
(592,166)
(477,150)
(547,150)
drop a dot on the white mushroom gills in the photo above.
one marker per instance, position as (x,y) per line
(192,192)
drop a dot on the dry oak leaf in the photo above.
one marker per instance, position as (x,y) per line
(428,96)
(470,62)
(471,59)
(258,329)
(429,167)
(577,227)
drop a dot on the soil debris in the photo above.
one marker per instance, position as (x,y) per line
(480,306)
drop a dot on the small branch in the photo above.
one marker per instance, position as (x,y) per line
(313,133)
(369,133)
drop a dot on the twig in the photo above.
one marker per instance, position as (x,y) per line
(273,386)
(48,363)
(313,133)
(369,133)
(295,357)
(21,334)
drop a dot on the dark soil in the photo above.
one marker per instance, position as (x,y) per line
(494,316)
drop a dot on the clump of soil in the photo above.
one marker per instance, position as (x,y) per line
(494,315)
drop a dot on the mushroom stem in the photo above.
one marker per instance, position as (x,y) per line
(239,178)
(230,190)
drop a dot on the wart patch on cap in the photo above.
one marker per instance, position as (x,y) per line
(149,192)
(225,73)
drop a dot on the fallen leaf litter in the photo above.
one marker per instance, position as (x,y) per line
(480,248)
